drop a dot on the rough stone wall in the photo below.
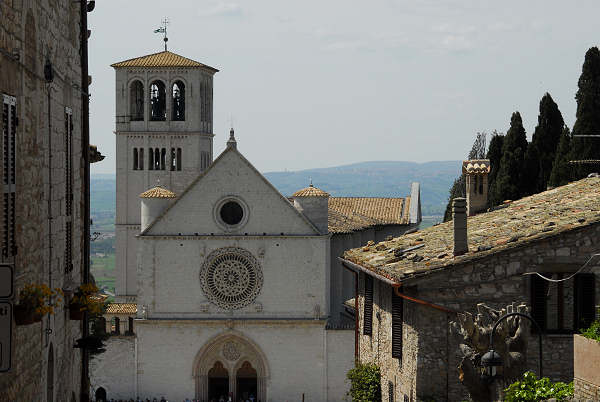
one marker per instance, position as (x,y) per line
(497,280)
(33,31)
(114,370)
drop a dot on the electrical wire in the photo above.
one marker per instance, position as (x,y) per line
(568,277)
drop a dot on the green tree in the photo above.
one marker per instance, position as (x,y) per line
(541,153)
(494,154)
(509,183)
(588,114)
(365,383)
(562,170)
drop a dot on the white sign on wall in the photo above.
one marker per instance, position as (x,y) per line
(5,334)
(6,281)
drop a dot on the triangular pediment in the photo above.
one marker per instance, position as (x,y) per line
(231,178)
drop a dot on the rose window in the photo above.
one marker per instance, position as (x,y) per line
(231,277)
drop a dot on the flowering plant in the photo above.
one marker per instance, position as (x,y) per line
(86,299)
(40,298)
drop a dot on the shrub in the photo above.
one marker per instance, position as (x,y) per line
(531,389)
(593,332)
(365,383)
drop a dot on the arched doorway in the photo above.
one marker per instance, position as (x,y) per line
(50,375)
(232,359)
(246,380)
(218,382)
(100,395)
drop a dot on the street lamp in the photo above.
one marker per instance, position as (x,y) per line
(491,360)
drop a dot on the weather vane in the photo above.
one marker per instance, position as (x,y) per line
(163,30)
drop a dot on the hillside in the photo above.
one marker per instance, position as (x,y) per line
(365,179)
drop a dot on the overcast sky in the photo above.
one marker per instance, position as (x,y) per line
(331,82)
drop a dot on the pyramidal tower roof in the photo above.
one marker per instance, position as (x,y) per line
(310,191)
(158,192)
(162,59)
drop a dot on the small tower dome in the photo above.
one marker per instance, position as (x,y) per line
(314,204)
(154,202)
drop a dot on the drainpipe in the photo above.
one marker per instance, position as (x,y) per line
(85,150)
(423,302)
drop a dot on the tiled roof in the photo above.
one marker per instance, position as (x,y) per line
(161,59)
(121,308)
(158,192)
(476,166)
(349,214)
(310,191)
(511,225)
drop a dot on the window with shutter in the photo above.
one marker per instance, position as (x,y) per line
(585,300)
(397,322)
(9,146)
(68,189)
(563,307)
(368,308)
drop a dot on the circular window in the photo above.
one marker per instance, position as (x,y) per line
(231,213)
(231,277)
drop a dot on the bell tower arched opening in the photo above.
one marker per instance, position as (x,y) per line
(136,101)
(242,360)
(158,110)
(178,105)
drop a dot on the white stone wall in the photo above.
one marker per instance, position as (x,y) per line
(340,359)
(114,370)
(294,270)
(295,353)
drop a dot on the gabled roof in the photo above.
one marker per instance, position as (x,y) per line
(162,59)
(515,224)
(213,166)
(349,214)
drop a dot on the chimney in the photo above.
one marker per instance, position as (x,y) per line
(459,219)
(476,176)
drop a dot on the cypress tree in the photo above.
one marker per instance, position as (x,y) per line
(509,183)
(494,154)
(541,153)
(588,114)
(562,170)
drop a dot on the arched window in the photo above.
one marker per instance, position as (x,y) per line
(163,158)
(135,159)
(136,101)
(178,158)
(100,395)
(178,92)
(150,159)
(156,159)
(158,111)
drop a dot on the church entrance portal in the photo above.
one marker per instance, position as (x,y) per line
(218,382)
(246,382)
(231,364)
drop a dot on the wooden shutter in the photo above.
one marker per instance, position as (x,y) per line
(585,300)
(9,145)
(397,322)
(539,288)
(368,308)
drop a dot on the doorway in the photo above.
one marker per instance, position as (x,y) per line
(246,382)
(218,382)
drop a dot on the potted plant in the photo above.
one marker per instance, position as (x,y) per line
(85,300)
(35,300)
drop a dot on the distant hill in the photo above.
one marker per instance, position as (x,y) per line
(365,179)
(377,179)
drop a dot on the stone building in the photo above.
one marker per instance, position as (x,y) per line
(412,286)
(224,285)
(44,148)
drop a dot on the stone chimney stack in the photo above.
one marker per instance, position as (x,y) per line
(476,176)
(459,219)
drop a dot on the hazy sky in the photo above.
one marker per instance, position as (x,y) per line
(330,82)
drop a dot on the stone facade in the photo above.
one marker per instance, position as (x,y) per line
(45,366)
(430,357)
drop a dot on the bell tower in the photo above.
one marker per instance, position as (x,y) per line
(164,130)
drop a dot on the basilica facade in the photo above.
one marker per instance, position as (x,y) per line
(225,287)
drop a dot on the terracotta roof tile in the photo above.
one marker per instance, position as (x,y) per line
(121,308)
(513,224)
(349,214)
(310,191)
(161,59)
(158,192)
(476,166)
